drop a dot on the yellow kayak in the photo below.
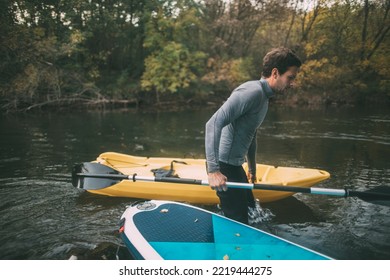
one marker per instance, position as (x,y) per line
(195,169)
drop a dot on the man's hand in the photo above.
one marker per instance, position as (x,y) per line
(251,178)
(217,181)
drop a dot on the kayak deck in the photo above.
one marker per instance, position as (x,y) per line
(196,169)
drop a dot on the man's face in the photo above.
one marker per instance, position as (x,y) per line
(285,81)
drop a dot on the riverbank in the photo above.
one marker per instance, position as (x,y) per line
(172,103)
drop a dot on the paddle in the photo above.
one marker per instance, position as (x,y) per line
(95,176)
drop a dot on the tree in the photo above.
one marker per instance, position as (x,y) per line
(376,26)
(346,52)
(173,63)
(233,25)
(171,69)
(55,51)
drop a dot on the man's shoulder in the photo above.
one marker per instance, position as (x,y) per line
(250,86)
(249,90)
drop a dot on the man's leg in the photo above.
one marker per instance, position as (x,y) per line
(234,202)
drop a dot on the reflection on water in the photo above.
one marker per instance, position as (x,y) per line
(43,217)
(302,212)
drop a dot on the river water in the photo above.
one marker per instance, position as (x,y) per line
(43,217)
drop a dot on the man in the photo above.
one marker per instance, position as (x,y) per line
(231,132)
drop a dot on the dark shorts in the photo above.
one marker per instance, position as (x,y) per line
(234,202)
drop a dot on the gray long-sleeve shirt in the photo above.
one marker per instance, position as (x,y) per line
(231,131)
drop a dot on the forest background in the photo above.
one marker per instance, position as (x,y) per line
(169,54)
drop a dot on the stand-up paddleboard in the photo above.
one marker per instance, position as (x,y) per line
(156,230)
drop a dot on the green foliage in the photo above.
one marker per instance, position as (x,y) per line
(227,74)
(69,50)
(344,52)
(172,32)
(173,68)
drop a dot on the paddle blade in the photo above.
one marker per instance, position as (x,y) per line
(90,183)
(379,195)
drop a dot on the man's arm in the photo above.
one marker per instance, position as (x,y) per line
(251,159)
(217,180)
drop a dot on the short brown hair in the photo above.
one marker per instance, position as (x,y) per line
(280,58)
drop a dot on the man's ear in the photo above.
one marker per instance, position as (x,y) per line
(274,73)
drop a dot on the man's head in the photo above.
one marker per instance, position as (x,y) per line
(280,68)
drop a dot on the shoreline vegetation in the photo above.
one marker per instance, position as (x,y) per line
(103,104)
(187,54)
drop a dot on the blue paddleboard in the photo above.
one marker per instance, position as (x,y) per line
(157,230)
